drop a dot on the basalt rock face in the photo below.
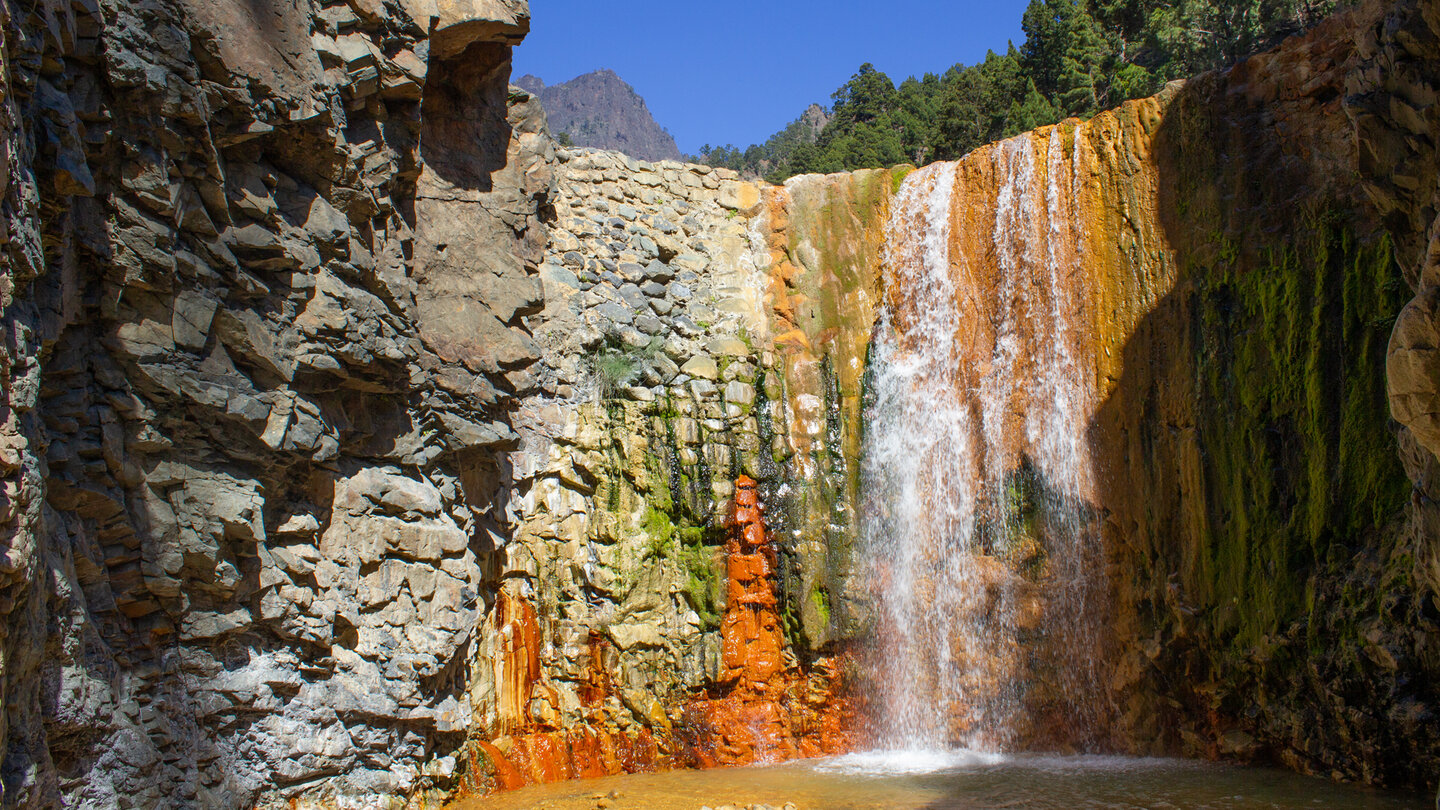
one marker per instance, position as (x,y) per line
(253,399)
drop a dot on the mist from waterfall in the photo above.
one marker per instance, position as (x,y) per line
(978,480)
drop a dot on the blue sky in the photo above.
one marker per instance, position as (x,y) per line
(735,71)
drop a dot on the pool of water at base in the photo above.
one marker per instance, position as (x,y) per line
(962,780)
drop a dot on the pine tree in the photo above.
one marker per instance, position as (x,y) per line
(1078,57)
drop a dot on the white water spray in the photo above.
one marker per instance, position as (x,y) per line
(977,471)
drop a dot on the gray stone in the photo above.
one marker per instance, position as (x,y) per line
(633,337)
(649,324)
(191,322)
(701,367)
(632,272)
(615,313)
(739,393)
(685,327)
(701,312)
(726,346)
(692,262)
(680,292)
(633,296)
(556,274)
(328,227)
(665,367)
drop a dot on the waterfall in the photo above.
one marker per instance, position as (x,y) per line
(978,521)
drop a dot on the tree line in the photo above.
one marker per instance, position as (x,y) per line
(1078,57)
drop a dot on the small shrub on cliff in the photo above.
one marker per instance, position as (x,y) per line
(616,364)
(613,370)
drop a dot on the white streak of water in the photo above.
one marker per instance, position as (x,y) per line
(977,470)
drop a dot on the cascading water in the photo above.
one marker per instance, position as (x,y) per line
(977,473)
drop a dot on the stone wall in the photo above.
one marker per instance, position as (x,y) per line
(662,379)
(1269,580)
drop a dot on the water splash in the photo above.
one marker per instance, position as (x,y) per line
(978,477)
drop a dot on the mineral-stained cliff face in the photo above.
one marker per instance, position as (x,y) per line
(1276,567)
(1231,255)
(355,436)
(673,361)
(1229,283)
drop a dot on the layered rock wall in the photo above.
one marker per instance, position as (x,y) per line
(1243,243)
(251,409)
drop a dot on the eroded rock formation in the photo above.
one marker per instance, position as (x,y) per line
(1230,296)
(765,708)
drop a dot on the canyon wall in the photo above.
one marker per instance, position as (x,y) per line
(695,329)
(1278,574)
(359,443)
(266,273)
(347,422)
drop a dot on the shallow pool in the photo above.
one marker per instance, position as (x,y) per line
(960,780)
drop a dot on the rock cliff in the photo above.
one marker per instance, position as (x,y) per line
(360,443)
(601,110)
(266,270)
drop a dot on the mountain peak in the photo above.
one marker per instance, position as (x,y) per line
(602,110)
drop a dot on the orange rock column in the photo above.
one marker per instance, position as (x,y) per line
(753,647)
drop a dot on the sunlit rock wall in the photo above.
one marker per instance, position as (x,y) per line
(1232,284)
(668,369)
(355,439)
